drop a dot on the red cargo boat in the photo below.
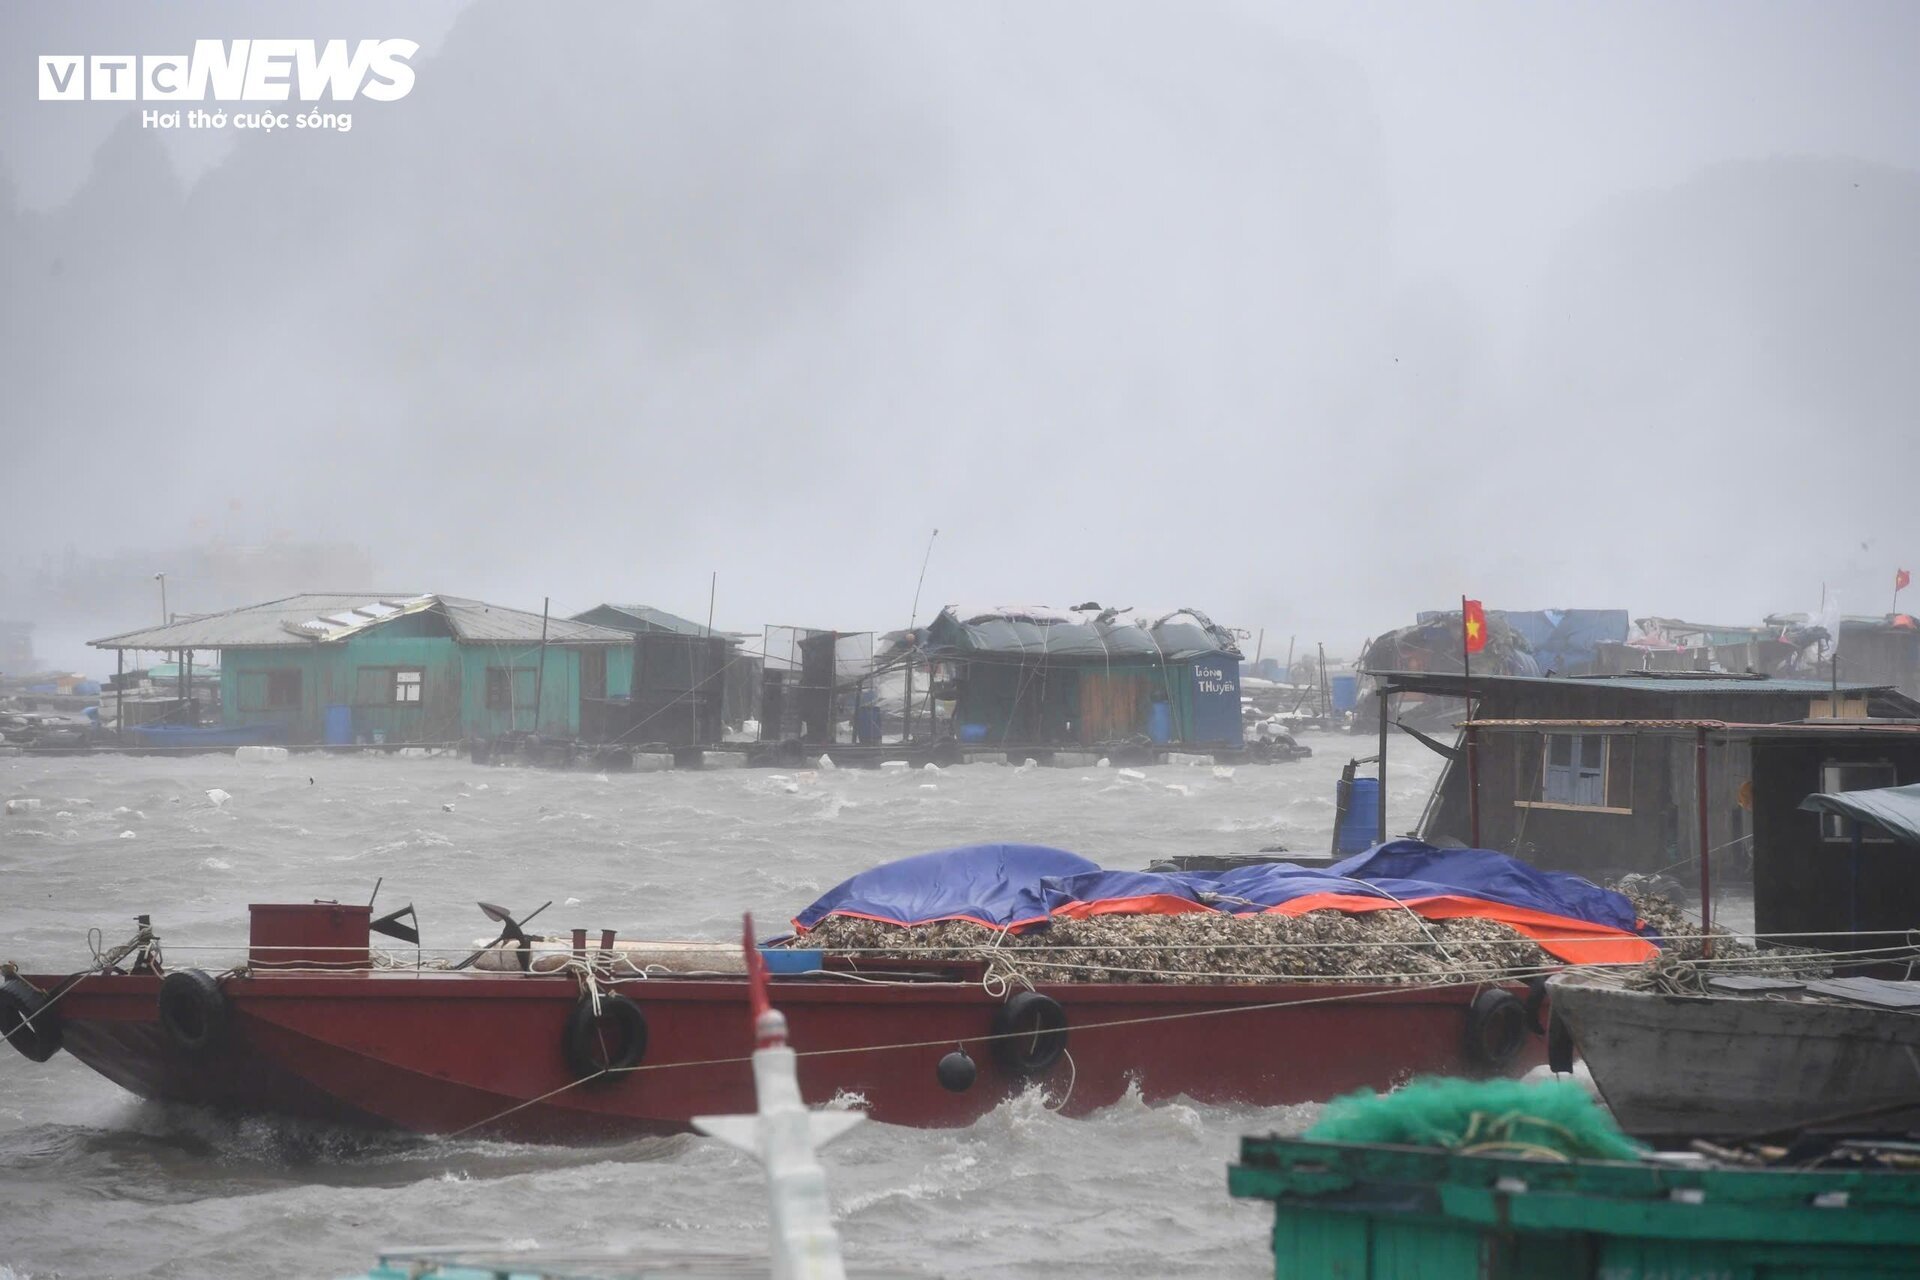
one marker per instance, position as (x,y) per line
(314,1026)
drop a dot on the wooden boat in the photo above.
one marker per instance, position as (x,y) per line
(1377,1212)
(313,1025)
(1752,1055)
(187,737)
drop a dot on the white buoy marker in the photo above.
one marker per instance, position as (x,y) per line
(784,1136)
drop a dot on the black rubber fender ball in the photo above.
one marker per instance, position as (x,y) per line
(957,1071)
(193,1010)
(613,1041)
(38,1039)
(1496,1028)
(1031,1031)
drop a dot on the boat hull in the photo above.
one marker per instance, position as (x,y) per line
(203,738)
(1672,1067)
(443,1053)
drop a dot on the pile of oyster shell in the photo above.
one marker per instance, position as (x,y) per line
(1378,946)
(1678,967)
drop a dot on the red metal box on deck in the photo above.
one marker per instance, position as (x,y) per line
(307,934)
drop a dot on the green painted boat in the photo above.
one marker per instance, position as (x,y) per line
(1356,1211)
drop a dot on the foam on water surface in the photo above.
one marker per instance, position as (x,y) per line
(98,1183)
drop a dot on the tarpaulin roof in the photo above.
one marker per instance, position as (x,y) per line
(1034,632)
(1895,810)
(1567,639)
(1019,886)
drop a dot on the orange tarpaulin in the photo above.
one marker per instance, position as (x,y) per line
(1575,941)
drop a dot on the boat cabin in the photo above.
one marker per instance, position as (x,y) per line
(1588,793)
(1836,831)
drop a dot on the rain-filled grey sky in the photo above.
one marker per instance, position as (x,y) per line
(1310,316)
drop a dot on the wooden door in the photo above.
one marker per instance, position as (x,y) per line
(1113,705)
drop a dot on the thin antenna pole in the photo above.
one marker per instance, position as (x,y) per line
(540,667)
(713,585)
(914,618)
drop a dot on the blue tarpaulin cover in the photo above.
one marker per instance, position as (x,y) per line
(1021,886)
(1415,867)
(1567,640)
(999,885)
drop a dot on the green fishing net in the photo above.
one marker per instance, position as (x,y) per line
(1552,1119)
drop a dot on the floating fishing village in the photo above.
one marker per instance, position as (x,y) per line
(1034,639)
(1743,1088)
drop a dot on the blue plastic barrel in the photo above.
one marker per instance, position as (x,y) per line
(1346,692)
(1359,816)
(1160,722)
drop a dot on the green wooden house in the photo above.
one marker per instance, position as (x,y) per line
(341,668)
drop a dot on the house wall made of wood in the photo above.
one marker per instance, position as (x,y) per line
(406,681)
(1646,819)
(352,690)
(501,681)
(1802,874)
(1088,703)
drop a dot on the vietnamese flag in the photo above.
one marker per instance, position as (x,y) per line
(1473,625)
(1900,579)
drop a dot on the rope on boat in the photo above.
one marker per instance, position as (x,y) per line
(102,963)
(1912,934)
(1001,976)
(946,1041)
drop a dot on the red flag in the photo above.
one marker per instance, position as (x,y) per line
(1473,625)
(1901,578)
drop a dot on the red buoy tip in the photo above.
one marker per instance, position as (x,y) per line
(756,971)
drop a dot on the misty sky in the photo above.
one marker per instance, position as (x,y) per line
(1309,316)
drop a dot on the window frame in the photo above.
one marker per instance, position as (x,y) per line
(395,684)
(277,678)
(509,678)
(1838,829)
(1576,772)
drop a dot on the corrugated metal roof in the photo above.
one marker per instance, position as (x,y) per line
(657,618)
(1679,683)
(329,617)
(476,622)
(1682,683)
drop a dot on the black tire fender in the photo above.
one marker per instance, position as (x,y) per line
(1536,998)
(613,1041)
(1560,1049)
(38,1039)
(1031,1034)
(194,1011)
(1496,1029)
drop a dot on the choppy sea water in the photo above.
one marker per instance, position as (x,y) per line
(94,1182)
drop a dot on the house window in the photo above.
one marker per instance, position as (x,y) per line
(1576,770)
(509,687)
(283,690)
(408,684)
(1851,776)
